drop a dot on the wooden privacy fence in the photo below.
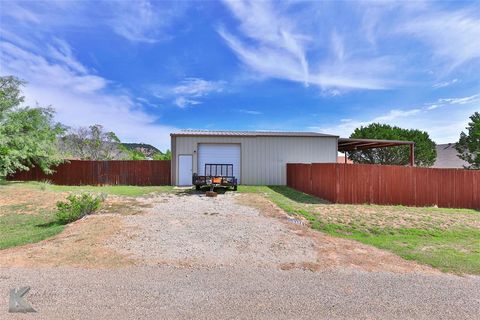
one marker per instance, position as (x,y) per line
(390,185)
(114,172)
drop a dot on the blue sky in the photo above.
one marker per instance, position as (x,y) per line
(144,69)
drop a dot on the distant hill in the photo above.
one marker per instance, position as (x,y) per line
(147,149)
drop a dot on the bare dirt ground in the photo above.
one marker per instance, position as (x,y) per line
(27,200)
(240,230)
(234,256)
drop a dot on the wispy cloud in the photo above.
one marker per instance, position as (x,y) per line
(462,100)
(183,102)
(189,91)
(269,42)
(302,45)
(425,117)
(251,112)
(442,102)
(197,87)
(140,21)
(143,20)
(79,97)
(444,84)
(452,35)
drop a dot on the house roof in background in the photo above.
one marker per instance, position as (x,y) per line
(447,157)
(250,133)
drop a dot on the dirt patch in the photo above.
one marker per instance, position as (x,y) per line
(125,205)
(332,251)
(20,200)
(82,244)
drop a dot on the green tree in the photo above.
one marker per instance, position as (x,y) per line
(92,143)
(163,156)
(28,136)
(468,146)
(425,152)
(136,155)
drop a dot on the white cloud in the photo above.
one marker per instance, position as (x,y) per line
(62,52)
(138,21)
(463,100)
(428,118)
(79,97)
(251,112)
(395,114)
(188,91)
(310,43)
(196,87)
(274,48)
(183,102)
(453,35)
(274,33)
(444,84)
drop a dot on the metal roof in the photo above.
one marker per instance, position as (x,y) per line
(447,157)
(250,133)
(347,144)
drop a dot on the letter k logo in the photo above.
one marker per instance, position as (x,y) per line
(17,304)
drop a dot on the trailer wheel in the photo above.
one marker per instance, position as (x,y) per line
(197,187)
(234,188)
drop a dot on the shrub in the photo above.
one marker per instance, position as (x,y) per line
(45,184)
(77,206)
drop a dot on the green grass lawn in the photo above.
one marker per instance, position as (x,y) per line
(19,229)
(27,209)
(447,239)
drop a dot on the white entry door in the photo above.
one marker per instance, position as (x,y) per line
(184,170)
(219,153)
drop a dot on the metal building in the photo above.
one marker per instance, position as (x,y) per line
(258,158)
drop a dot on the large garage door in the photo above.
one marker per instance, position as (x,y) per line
(221,154)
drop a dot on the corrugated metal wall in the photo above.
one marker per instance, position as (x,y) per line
(115,172)
(263,159)
(390,185)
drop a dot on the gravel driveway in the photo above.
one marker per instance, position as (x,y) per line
(238,256)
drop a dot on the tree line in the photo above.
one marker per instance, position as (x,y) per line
(468,146)
(30,137)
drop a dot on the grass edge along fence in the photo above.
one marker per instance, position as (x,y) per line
(111,172)
(387,185)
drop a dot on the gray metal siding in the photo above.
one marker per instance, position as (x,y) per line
(263,159)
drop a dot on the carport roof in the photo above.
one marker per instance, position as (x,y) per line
(347,144)
(250,133)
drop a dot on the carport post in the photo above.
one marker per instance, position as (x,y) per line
(412,154)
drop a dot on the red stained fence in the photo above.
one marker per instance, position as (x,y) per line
(390,185)
(114,172)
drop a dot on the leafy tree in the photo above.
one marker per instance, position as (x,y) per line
(425,152)
(136,155)
(92,143)
(28,136)
(468,146)
(163,156)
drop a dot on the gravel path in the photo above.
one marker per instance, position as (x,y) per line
(240,293)
(202,258)
(242,230)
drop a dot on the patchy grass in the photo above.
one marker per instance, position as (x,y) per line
(129,191)
(19,229)
(81,245)
(27,209)
(447,239)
